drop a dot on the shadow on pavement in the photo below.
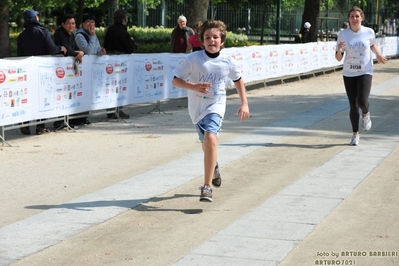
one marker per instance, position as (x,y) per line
(137,205)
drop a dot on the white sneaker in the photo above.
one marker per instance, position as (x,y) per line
(354,140)
(366,121)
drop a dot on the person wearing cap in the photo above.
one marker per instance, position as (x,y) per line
(180,35)
(36,40)
(305,32)
(86,37)
(118,41)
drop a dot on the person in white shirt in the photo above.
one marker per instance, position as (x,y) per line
(356,43)
(203,74)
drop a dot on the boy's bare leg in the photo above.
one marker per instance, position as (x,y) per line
(210,156)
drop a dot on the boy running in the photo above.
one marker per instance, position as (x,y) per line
(204,74)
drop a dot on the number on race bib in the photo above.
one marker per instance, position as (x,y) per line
(355,67)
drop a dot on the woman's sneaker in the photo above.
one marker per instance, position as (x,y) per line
(366,122)
(217,179)
(354,140)
(206,194)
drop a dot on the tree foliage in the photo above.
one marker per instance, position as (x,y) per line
(12,10)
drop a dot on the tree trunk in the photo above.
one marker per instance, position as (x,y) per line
(79,18)
(4,30)
(262,34)
(311,15)
(197,11)
(113,6)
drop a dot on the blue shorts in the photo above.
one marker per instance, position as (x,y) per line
(210,123)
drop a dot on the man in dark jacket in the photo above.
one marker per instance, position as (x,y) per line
(118,41)
(64,36)
(36,40)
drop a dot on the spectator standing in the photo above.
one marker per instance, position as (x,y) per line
(357,43)
(203,74)
(64,36)
(86,38)
(36,40)
(180,35)
(305,33)
(194,42)
(386,22)
(345,25)
(117,40)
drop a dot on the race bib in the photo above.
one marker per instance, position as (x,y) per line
(354,66)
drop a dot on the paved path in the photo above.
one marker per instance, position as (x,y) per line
(293,193)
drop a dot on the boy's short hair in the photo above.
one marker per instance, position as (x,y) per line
(213,24)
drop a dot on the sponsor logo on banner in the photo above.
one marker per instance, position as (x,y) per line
(2,77)
(148,66)
(109,69)
(60,72)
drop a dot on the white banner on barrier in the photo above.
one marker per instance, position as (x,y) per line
(44,87)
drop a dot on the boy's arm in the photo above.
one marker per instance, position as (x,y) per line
(198,87)
(243,111)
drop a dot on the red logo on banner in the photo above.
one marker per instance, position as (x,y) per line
(148,66)
(109,69)
(2,77)
(60,72)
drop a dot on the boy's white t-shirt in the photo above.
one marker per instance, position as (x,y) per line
(198,67)
(358,58)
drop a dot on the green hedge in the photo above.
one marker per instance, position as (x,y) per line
(151,40)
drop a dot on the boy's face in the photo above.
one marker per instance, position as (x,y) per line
(212,40)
